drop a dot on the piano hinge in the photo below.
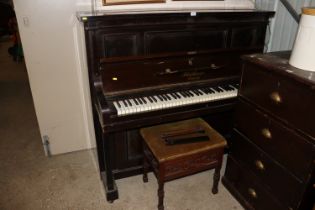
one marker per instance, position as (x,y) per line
(46,145)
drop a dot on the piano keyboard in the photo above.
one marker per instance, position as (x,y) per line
(173,99)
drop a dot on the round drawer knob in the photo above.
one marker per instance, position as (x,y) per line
(275,97)
(252,193)
(259,165)
(266,133)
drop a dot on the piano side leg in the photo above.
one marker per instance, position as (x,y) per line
(102,145)
(99,144)
(107,176)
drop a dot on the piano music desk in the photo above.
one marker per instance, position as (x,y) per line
(175,161)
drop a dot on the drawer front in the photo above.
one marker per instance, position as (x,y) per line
(290,101)
(276,179)
(283,144)
(246,184)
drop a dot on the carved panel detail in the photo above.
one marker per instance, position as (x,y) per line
(192,164)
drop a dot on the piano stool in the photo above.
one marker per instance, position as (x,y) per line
(170,162)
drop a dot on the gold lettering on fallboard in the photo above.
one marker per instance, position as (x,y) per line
(193,75)
(193,78)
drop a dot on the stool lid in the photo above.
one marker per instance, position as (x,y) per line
(308,11)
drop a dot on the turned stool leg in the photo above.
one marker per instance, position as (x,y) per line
(145,164)
(216,179)
(161,195)
(145,169)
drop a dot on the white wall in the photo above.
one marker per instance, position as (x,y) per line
(55,59)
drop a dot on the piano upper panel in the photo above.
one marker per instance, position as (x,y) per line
(141,35)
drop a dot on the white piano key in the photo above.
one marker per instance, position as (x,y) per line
(117,108)
(134,107)
(149,104)
(173,101)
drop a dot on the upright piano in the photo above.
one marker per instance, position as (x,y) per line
(147,69)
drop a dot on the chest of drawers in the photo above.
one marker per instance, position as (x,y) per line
(271,164)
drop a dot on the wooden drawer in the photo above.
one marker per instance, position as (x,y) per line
(283,144)
(286,99)
(245,186)
(276,179)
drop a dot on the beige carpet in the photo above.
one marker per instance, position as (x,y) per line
(29,180)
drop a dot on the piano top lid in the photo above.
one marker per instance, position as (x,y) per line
(85,16)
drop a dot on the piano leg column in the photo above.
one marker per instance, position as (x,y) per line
(107,176)
(102,146)
(99,144)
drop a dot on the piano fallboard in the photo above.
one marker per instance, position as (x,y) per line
(168,72)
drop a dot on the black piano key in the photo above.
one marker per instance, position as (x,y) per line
(129,103)
(210,90)
(224,87)
(151,101)
(200,92)
(174,95)
(185,94)
(191,95)
(157,99)
(234,87)
(153,98)
(132,102)
(144,100)
(136,101)
(229,88)
(160,97)
(168,97)
(196,92)
(140,101)
(125,103)
(118,104)
(204,91)
(218,89)
(178,96)
(165,99)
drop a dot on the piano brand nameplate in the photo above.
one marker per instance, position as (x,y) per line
(191,76)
